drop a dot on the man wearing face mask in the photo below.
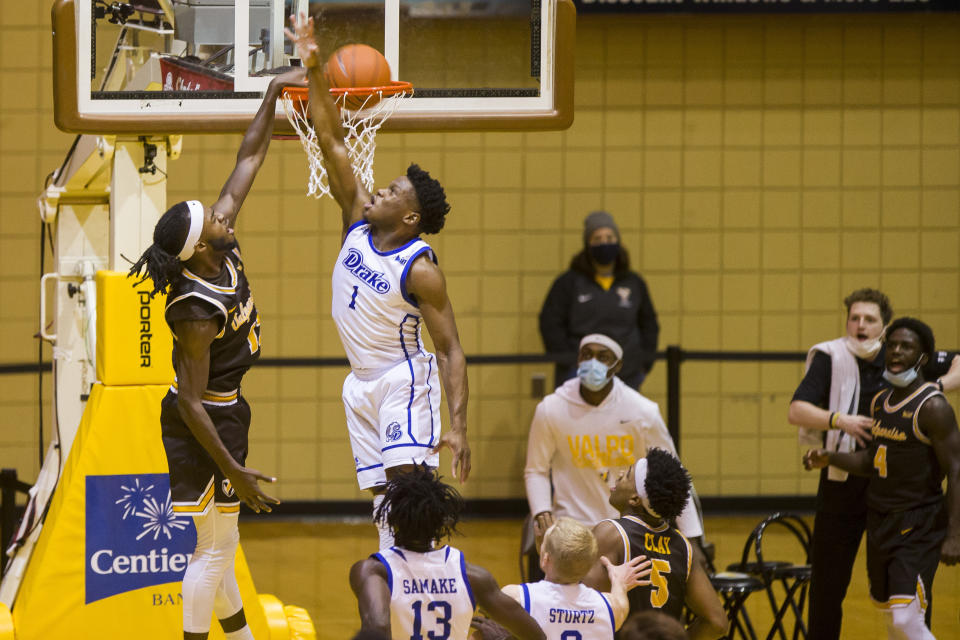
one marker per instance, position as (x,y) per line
(585,433)
(600,294)
(911,528)
(832,408)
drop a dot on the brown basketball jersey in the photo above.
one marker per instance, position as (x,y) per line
(670,554)
(906,472)
(237,346)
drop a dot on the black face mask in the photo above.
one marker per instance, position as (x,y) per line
(604,253)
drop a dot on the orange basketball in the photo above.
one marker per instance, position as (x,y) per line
(357,65)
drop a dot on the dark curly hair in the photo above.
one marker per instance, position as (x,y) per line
(878,298)
(667,484)
(923,331)
(419,508)
(432,201)
(160,262)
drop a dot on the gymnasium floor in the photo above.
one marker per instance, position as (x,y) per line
(306,562)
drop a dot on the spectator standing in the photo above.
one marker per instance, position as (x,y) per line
(600,294)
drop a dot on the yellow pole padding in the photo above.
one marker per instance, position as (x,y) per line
(301,626)
(6,623)
(276,618)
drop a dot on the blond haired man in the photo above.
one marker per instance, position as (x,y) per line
(560,603)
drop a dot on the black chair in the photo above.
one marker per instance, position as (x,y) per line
(734,588)
(793,578)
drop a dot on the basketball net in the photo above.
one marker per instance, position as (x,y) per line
(360,128)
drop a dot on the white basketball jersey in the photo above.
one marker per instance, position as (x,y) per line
(566,611)
(430,595)
(378,320)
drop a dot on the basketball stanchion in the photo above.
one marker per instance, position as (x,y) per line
(375,106)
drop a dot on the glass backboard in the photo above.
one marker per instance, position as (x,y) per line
(175,66)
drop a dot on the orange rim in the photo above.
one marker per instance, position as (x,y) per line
(395,87)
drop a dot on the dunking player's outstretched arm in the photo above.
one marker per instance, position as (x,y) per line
(938,421)
(253,148)
(427,284)
(193,367)
(345,188)
(502,608)
(368,579)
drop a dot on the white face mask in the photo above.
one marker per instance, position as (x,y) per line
(864,349)
(904,378)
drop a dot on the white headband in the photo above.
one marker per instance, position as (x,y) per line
(609,343)
(196,226)
(640,478)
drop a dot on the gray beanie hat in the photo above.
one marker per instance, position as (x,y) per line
(597,220)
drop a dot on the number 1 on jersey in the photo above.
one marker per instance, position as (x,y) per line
(353,298)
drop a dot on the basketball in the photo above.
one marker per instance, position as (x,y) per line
(357,65)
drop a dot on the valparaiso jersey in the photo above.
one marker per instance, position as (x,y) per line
(237,347)
(569,611)
(906,471)
(670,555)
(430,595)
(377,318)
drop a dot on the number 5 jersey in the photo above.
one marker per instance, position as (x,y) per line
(670,554)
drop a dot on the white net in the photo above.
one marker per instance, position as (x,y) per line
(360,128)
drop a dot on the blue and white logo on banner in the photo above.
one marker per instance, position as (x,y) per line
(134,539)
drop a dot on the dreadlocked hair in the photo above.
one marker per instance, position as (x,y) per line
(419,508)
(160,262)
(432,199)
(922,329)
(667,484)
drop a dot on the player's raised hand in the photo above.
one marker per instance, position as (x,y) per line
(815,459)
(302,37)
(456,441)
(245,483)
(295,77)
(630,574)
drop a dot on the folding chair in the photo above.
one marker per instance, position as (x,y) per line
(734,589)
(794,578)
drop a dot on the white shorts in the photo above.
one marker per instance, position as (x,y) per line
(394,419)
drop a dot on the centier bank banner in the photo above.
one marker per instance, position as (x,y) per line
(763,6)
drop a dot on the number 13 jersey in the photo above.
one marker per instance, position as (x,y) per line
(430,594)
(378,320)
